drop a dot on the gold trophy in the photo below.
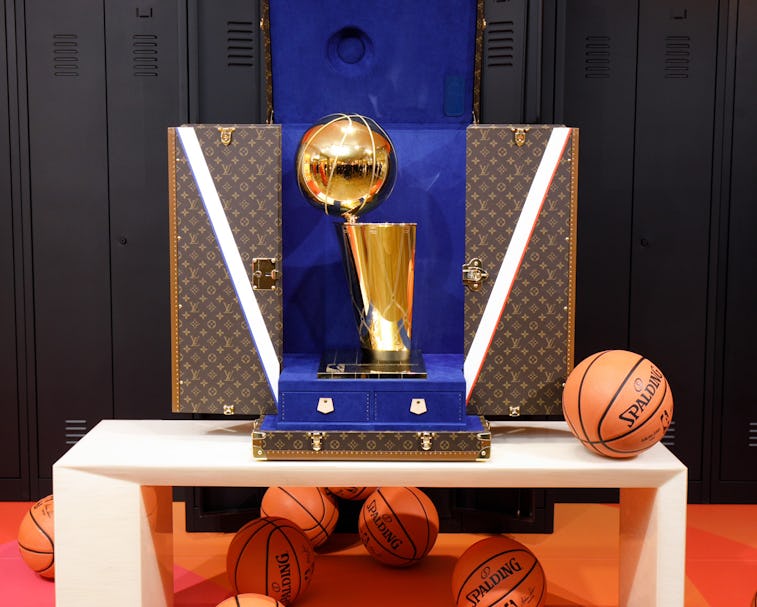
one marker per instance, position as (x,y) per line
(346,166)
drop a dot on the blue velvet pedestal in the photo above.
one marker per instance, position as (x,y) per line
(372,404)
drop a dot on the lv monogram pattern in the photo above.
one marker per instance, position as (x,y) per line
(369,445)
(219,369)
(531,352)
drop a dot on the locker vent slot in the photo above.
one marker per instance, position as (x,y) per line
(677,56)
(65,55)
(597,57)
(240,44)
(500,43)
(669,440)
(144,50)
(752,434)
(74,430)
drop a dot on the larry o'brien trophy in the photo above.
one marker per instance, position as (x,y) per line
(346,166)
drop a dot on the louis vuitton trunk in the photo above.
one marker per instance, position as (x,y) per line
(225,245)
(521,189)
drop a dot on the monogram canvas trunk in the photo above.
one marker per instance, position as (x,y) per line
(521,189)
(225,238)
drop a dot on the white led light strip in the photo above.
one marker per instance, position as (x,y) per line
(508,271)
(231,256)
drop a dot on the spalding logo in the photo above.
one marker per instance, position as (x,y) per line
(631,413)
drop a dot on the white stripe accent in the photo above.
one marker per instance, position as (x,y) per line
(231,256)
(524,228)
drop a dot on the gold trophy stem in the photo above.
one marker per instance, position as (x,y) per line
(380,264)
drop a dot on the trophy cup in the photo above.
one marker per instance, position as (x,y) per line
(346,166)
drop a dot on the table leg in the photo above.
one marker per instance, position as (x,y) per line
(113,542)
(653,544)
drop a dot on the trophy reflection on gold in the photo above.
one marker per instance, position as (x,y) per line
(346,166)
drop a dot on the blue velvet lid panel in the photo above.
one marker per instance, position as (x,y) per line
(430,191)
(396,61)
(408,65)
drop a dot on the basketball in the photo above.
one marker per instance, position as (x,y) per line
(617,403)
(398,525)
(250,599)
(498,571)
(351,493)
(272,556)
(36,540)
(310,508)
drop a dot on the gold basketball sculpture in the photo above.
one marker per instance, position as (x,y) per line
(346,165)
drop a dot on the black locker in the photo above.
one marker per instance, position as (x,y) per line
(144,99)
(597,95)
(13,471)
(673,163)
(639,81)
(503,61)
(226,62)
(68,178)
(734,477)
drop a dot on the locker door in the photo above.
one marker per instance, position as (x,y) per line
(227,67)
(144,99)
(672,204)
(13,472)
(599,79)
(69,209)
(503,62)
(734,472)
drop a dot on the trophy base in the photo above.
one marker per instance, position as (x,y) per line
(361,364)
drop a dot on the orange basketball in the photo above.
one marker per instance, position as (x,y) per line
(398,525)
(617,403)
(352,493)
(311,508)
(250,599)
(270,555)
(498,571)
(36,540)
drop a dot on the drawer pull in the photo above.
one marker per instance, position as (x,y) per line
(325,405)
(418,406)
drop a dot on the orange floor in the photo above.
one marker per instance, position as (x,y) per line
(580,560)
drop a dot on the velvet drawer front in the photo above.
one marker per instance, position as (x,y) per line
(420,407)
(325,407)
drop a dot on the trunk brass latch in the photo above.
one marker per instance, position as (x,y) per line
(316,440)
(264,274)
(425,438)
(474,274)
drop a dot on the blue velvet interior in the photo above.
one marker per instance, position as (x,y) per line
(410,68)
(430,191)
(397,61)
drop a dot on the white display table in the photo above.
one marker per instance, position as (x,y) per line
(113,514)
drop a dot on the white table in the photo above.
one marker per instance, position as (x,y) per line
(113,514)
